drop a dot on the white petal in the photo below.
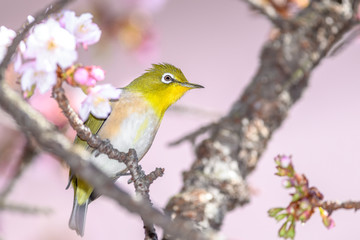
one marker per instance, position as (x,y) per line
(66,59)
(109,92)
(6,35)
(2,53)
(22,46)
(45,81)
(45,62)
(17,62)
(69,20)
(85,18)
(27,79)
(102,109)
(64,39)
(84,110)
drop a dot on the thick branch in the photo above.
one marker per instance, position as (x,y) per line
(216,182)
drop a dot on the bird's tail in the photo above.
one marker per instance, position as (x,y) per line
(78,216)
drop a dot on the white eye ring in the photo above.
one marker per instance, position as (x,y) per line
(167,78)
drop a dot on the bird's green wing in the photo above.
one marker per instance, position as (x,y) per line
(94,124)
(82,190)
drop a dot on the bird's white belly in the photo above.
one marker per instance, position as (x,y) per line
(136,131)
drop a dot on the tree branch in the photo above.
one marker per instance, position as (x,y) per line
(142,184)
(216,181)
(331,206)
(28,153)
(24,208)
(193,135)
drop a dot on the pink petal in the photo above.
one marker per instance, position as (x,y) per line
(81,76)
(97,73)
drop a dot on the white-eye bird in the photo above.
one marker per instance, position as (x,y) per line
(133,123)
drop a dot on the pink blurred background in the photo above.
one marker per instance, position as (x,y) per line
(216,44)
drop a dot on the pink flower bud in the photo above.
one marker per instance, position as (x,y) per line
(97,73)
(81,76)
(327,220)
(287,183)
(285,161)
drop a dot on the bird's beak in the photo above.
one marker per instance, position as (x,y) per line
(190,85)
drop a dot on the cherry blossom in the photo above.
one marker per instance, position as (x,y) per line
(285,161)
(85,31)
(43,80)
(97,101)
(6,37)
(51,45)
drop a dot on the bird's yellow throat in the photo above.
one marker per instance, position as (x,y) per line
(161,94)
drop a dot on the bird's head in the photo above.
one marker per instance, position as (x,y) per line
(162,85)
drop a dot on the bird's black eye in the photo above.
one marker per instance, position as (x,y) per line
(167,78)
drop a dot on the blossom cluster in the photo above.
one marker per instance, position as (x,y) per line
(304,200)
(49,53)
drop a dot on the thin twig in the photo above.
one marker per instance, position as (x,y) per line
(158,172)
(27,155)
(331,206)
(24,208)
(142,187)
(94,141)
(142,184)
(345,41)
(194,111)
(194,135)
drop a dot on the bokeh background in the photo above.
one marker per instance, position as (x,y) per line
(216,43)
